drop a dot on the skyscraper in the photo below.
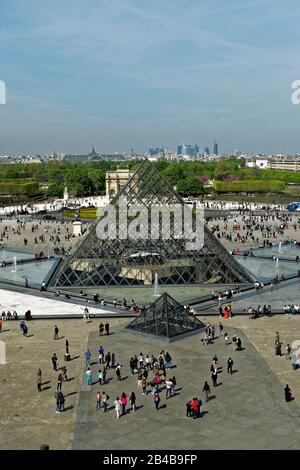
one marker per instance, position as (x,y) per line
(215,148)
(179,149)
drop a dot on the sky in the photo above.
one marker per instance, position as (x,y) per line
(122,74)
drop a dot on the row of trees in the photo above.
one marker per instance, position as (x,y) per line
(27,187)
(250,186)
(189,177)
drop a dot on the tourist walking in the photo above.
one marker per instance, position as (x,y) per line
(189,410)
(288,352)
(132,365)
(287,393)
(101,355)
(139,380)
(214,377)
(206,390)
(169,385)
(98,400)
(113,360)
(229,365)
(64,374)
(117,404)
(132,401)
(86,313)
(57,402)
(294,361)
(56,332)
(174,383)
(105,399)
(61,400)
(234,343)
(101,329)
(54,362)
(215,362)
(107,328)
(196,408)
(156,400)
(144,385)
(277,348)
(39,380)
(100,377)
(107,360)
(87,356)
(67,347)
(89,376)
(141,361)
(123,401)
(59,381)
(118,372)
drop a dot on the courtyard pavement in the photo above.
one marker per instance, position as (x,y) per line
(248,411)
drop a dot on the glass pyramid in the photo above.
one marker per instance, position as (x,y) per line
(165,317)
(130,262)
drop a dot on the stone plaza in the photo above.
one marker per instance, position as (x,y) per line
(247,410)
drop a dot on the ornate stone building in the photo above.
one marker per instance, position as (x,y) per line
(115,180)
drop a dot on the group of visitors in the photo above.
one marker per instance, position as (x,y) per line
(250,228)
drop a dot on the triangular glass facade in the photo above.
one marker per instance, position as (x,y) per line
(127,262)
(167,318)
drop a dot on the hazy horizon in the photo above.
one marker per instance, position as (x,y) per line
(128,74)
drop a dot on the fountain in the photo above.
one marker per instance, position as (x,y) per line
(14,264)
(277,262)
(280,247)
(155,285)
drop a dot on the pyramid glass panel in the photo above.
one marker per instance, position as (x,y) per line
(121,261)
(167,318)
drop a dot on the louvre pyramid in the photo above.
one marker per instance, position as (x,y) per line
(167,318)
(127,262)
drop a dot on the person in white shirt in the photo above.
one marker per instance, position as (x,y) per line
(141,360)
(169,385)
(117,404)
(148,362)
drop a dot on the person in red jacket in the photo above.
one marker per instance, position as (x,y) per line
(194,406)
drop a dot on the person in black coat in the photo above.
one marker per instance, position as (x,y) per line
(229,365)
(287,393)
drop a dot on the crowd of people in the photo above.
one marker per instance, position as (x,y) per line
(154,375)
(52,236)
(252,229)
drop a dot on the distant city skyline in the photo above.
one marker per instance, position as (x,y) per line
(128,74)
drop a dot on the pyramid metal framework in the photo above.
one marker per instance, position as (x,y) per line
(167,318)
(128,262)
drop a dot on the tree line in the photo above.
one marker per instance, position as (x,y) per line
(88,179)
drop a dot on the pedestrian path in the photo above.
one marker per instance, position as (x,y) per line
(247,410)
